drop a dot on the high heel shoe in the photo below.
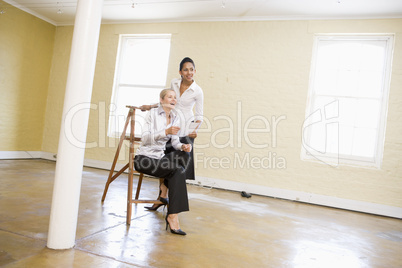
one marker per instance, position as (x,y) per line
(155,207)
(174,231)
(165,201)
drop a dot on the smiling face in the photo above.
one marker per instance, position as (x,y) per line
(168,99)
(187,72)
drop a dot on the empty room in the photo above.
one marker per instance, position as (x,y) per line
(201,133)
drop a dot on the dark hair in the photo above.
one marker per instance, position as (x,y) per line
(186,59)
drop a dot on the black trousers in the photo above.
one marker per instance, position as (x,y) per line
(190,174)
(171,167)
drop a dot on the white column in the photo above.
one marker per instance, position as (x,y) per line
(73,132)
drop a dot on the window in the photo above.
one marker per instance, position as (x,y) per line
(348,99)
(141,72)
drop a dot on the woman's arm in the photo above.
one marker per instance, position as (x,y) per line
(176,140)
(199,107)
(199,110)
(180,146)
(148,107)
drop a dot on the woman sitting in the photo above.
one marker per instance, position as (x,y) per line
(162,124)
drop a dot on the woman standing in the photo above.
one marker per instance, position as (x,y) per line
(188,95)
(161,125)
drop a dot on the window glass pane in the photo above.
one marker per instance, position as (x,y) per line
(372,55)
(332,138)
(328,55)
(356,116)
(364,142)
(367,113)
(326,71)
(370,84)
(145,61)
(326,81)
(348,82)
(347,111)
(345,139)
(350,54)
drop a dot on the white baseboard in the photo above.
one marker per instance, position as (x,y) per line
(311,198)
(48,156)
(19,154)
(298,196)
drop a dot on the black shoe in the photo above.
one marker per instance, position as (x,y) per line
(155,207)
(174,231)
(165,201)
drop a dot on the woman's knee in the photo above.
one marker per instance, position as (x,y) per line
(142,163)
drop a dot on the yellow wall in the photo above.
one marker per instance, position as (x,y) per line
(26,49)
(261,68)
(57,87)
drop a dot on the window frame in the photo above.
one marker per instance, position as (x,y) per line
(335,160)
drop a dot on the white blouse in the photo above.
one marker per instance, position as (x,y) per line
(154,138)
(185,104)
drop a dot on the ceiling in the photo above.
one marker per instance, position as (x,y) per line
(62,12)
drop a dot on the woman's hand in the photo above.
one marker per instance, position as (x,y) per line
(172,130)
(186,147)
(193,135)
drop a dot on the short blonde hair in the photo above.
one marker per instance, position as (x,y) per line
(164,92)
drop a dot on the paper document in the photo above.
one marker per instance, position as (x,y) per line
(193,127)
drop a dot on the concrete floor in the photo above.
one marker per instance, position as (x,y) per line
(223,228)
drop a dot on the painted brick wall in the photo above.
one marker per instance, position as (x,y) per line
(26,50)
